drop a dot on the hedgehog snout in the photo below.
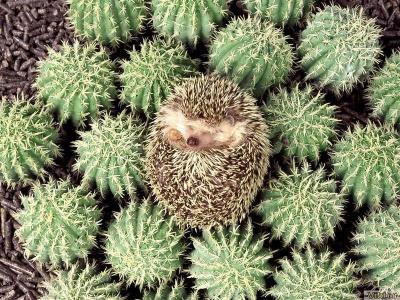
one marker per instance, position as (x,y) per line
(192,141)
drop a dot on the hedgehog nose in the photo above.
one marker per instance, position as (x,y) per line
(192,141)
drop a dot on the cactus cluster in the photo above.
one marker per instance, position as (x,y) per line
(338,47)
(81,283)
(189,21)
(368,161)
(27,141)
(302,206)
(59,223)
(230,262)
(111,155)
(301,122)
(253,53)
(76,81)
(150,74)
(109,21)
(143,245)
(384,91)
(315,276)
(282,13)
(378,243)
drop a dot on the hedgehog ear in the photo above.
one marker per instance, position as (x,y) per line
(231,116)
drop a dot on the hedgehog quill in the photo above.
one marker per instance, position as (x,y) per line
(207,152)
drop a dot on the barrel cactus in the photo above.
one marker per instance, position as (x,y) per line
(282,13)
(368,161)
(190,21)
(302,206)
(301,122)
(230,262)
(82,283)
(252,53)
(384,91)
(27,141)
(378,243)
(312,276)
(111,154)
(338,47)
(76,81)
(144,245)
(109,21)
(59,223)
(150,74)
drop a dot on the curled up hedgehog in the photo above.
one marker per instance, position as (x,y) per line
(207,152)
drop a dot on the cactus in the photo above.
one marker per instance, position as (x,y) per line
(302,206)
(312,276)
(150,74)
(252,53)
(144,245)
(111,154)
(58,223)
(368,160)
(109,21)
(190,21)
(27,141)
(76,81)
(378,242)
(301,122)
(81,283)
(175,292)
(279,12)
(384,91)
(230,263)
(338,47)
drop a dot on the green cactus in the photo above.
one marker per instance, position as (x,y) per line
(301,122)
(384,91)
(110,21)
(83,284)
(230,262)
(144,245)
(279,12)
(150,74)
(338,47)
(76,82)
(252,53)
(302,206)
(27,141)
(111,154)
(312,276)
(190,21)
(166,292)
(58,223)
(368,160)
(378,242)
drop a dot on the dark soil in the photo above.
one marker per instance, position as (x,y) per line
(27,27)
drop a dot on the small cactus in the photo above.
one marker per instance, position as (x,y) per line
(111,154)
(144,245)
(109,21)
(76,82)
(378,242)
(252,53)
(58,223)
(368,160)
(384,91)
(150,74)
(312,276)
(190,21)
(338,47)
(83,284)
(301,122)
(27,141)
(302,206)
(230,263)
(282,13)
(167,292)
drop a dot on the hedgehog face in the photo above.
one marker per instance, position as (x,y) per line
(200,134)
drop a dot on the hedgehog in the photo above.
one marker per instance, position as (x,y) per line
(207,152)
